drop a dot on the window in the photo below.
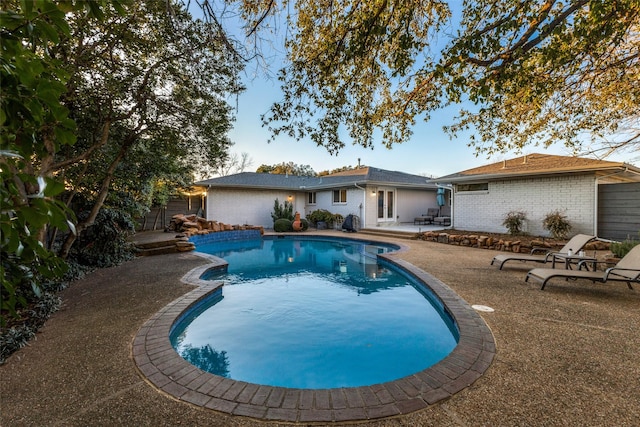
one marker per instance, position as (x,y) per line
(483,186)
(339,196)
(311,198)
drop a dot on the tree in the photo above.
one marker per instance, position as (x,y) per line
(145,84)
(567,73)
(536,72)
(341,169)
(32,121)
(289,168)
(99,100)
(233,164)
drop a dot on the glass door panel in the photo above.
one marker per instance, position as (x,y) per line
(386,205)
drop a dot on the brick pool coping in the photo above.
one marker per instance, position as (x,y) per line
(159,363)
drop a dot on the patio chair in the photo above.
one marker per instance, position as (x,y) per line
(428,217)
(626,270)
(576,243)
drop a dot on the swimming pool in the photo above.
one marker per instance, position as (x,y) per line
(165,370)
(313,313)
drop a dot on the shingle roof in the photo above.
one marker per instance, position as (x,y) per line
(260,180)
(362,176)
(538,164)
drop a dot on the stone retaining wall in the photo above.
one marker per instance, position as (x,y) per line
(501,244)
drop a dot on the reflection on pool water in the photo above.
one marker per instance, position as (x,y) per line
(312,313)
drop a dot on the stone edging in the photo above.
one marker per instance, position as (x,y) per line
(165,369)
(501,244)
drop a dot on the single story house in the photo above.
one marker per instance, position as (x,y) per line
(598,197)
(377,197)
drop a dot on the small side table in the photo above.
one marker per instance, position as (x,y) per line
(572,259)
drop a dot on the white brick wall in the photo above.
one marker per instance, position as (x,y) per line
(242,206)
(247,206)
(324,200)
(485,211)
(239,206)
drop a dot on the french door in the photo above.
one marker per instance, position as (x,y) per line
(386,205)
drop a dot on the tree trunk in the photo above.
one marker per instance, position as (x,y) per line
(155,223)
(102,195)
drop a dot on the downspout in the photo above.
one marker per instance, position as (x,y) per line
(450,188)
(595,210)
(363,205)
(206,205)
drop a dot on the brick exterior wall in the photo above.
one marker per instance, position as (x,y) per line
(574,195)
(246,206)
(254,207)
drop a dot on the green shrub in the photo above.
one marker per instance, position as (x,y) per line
(105,243)
(18,334)
(321,215)
(514,221)
(557,223)
(305,224)
(282,225)
(284,210)
(620,249)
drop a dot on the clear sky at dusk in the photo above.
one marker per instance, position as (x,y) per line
(429,152)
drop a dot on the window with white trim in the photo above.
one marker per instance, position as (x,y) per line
(339,196)
(311,198)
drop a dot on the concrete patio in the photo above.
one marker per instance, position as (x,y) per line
(566,356)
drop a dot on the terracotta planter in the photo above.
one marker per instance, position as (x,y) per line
(297,224)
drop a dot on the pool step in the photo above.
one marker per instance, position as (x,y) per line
(163,246)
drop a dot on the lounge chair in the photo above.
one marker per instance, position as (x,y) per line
(576,243)
(626,270)
(428,217)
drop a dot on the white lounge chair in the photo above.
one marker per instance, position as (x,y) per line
(626,270)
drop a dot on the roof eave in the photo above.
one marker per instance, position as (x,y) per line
(502,176)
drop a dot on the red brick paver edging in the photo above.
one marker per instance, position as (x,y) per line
(159,363)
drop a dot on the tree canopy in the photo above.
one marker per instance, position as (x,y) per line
(531,72)
(101,101)
(287,168)
(148,92)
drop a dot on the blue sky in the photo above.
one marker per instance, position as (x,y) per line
(429,151)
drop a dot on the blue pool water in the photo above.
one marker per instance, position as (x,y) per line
(311,313)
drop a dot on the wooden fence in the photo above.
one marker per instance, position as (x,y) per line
(160,216)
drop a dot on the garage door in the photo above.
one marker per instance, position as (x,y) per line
(619,211)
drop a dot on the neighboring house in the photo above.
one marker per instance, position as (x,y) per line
(377,196)
(537,184)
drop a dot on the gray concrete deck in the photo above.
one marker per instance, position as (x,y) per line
(565,356)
